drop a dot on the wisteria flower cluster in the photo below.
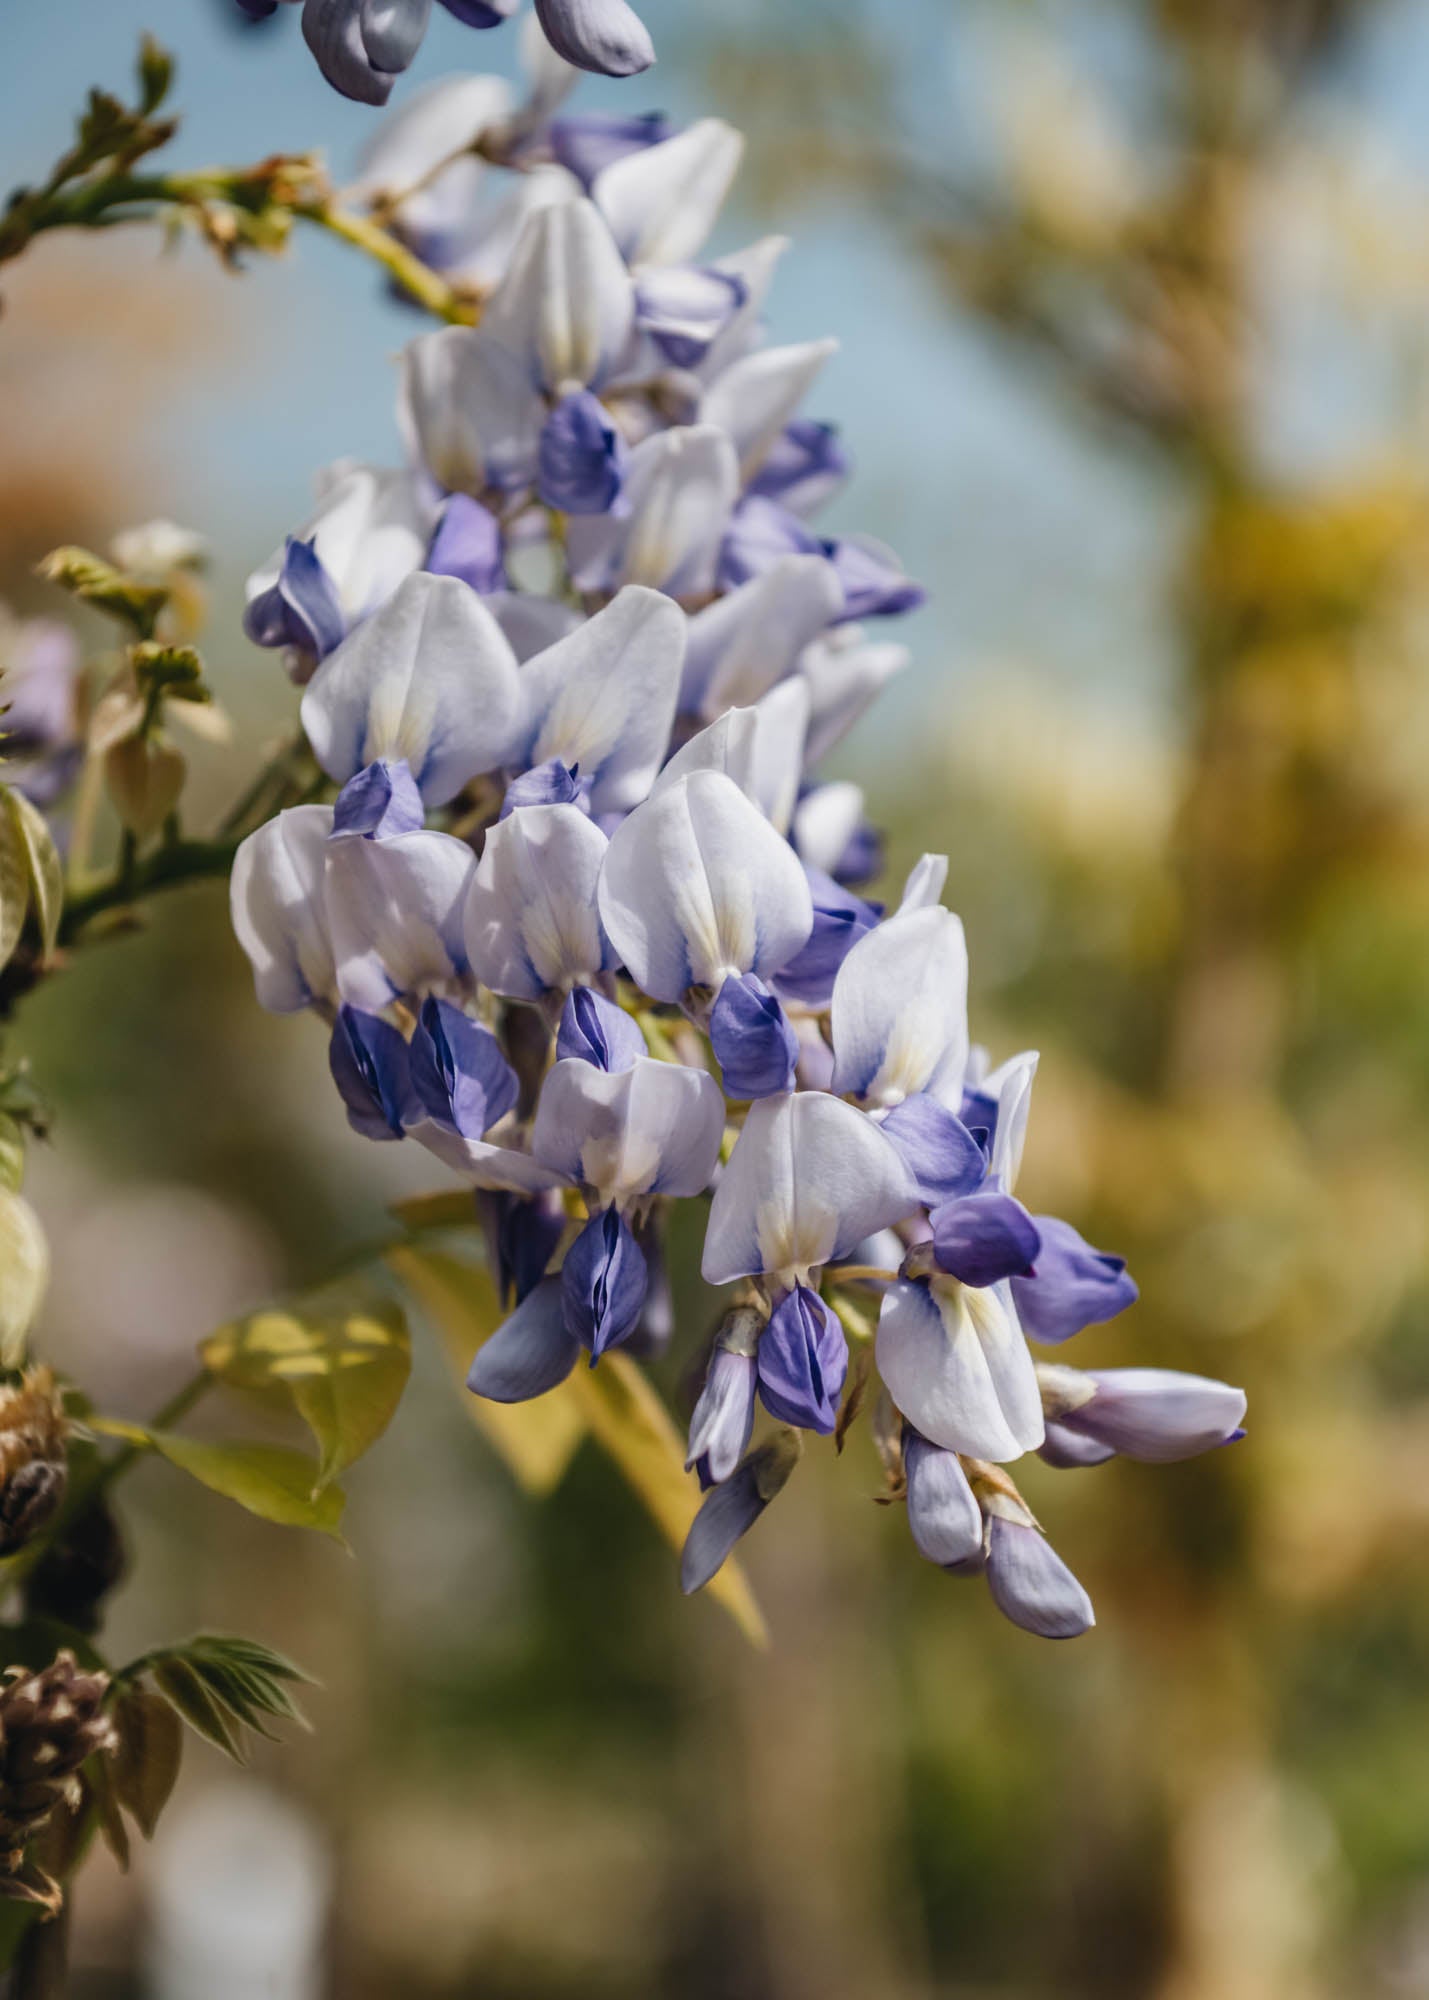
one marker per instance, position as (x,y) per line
(586,918)
(363,46)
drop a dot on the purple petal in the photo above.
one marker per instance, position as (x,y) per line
(599,1032)
(581,456)
(802,1361)
(372,1070)
(1073,1285)
(753,1043)
(531,1353)
(381,802)
(467,544)
(1031,1584)
(981,1238)
(943,1156)
(603,1283)
(459,1074)
(1157,1414)
(604,36)
(943,1514)
(584,142)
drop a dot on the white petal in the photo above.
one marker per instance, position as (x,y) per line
(743,643)
(531,922)
(604,697)
(726,745)
(845,677)
(654,1128)
(1031,1584)
(276,897)
(924,888)
(395,913)
(956,1364)
(469,411)
(754,266)
(697,885)
(1011,1085)
(370,529)
(531,623)
(782,719)
(432,125)
(484,1165)
(756,396)
(550,78)
(429,678)
(661,203)
(566,306)
(491,236)
(681,486)
(809,1178)
(826,821)
(900,1011)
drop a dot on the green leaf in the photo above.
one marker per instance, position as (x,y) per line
(613,1402)
(268,1479)
(14,885)
(24,1273)
(221,1687)
(343,1356)
(146,1764)
(42,864)
(176,1679)
(537,1440)
(12,1153)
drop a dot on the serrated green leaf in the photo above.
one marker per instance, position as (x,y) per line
(42,863)
(14,885)
(268,1479)
(177,1681)
(343,1356)
(146,1763)
(614,1402)
(537,1440)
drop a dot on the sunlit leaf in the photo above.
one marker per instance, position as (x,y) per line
(42,863)
(12,1153)
(268,1479)
(14,885)
(24,1273)
(537,1439)
(342,1355)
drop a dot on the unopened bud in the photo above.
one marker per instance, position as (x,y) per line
(50,1722)
(144,781)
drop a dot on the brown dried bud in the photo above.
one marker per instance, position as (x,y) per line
(50,1722)
(33,1467)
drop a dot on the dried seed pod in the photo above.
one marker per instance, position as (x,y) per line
(33,1466)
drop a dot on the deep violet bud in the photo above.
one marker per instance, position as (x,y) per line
(840,920)
(753,1043)
(803,468)
(382,800)
(723,1417)
(522,1232)
(581,457)
(530,1353)
(943,1514)
(1031,1585)
(301,609)
(459,1075)
(1073,1285)
(731,1509)
(981,1238)
(802,1361)
(550,784)
(598,1031)
(586,142)
(603,1283)
(372,1070)
(467,544)
(945,1159)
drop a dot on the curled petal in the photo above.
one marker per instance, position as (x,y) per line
(459,1075)
(698,886)
(332,29)
(499,1169)
(369,1064)
(279,916)
(942,1155)
(468,544)
(809,1178)
(803,468)
(723,1417)
(983,1237)
(956,1364)
(731,1509)
(392,32)
(753,1044)
(744,642)
(599,1032)
(802,1362)
(429,679)
(530,921)
(581,459)
(1157,1414)
(532,1352)
(1073,1285)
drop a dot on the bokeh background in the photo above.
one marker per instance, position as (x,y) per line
(1132,296)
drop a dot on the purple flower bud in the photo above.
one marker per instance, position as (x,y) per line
(586,142)
(731,1509)
(467,544)
(724,1415)
(981,1238)
(1073,1285)
(522,1232)
(802,1361)
(943,1514)
(301,609)
(460,1077)
(840,920)
(603,1282)
(804,467)
(550,784)
(381,801)
(873,584)
(753,1043)
(939,1151)
(1032,1586)
(605,36)
(530,1353)
(372,1070)
(392,32)
(598,1032)
(581,457)
(477,14)
(1157,1414)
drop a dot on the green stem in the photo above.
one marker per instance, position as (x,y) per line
(410,272)
(184,861)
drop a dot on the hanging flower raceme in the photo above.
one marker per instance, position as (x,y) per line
(576,904)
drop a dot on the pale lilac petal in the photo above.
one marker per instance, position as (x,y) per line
(1158,1414)
(755,397)
(743,643)
(604,36)
(566,305)
(279,917)
(826,820)
(845,677)
(531,924)
(495,1168)
(470,411)
(654,1128)
(395,914)
(680,486)
(900,1011)
(956,1364)
(661,203)
(924,888)
(943,1514)
(530,1353)
(1032,1586)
